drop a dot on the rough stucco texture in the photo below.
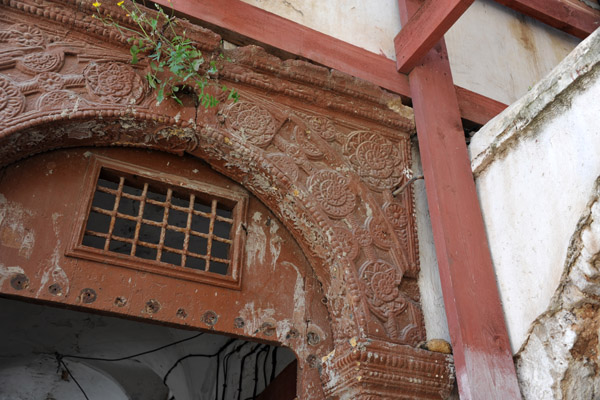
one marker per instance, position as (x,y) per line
(535,166)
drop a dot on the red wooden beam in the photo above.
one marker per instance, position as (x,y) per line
(424,29)
(477,108)
(573,17)
(272,30)
(482,354)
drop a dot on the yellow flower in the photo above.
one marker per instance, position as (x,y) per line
(120,3)
(96,4)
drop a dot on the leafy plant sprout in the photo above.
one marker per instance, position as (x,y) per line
(175,62)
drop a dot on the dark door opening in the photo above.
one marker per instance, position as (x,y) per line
(53,353)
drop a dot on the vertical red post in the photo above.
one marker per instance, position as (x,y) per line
(482,354)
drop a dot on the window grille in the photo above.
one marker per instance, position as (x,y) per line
(135,220)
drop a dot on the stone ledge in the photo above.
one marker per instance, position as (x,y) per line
(373,369)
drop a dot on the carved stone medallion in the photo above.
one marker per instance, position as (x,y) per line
(331,190)
(251,122)
(114,83)
(376,159)
(35,63)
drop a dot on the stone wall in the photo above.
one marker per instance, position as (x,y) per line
(536,168)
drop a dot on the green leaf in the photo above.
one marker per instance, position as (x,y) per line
(232,95)
(160,95)
(151,80)
(134,50)
(177,100)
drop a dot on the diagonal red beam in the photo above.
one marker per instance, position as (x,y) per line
(482,353)
(570,16)
(424,29)
(273,30)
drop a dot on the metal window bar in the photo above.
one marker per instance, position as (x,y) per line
(139,219)
(167,205)
(188,228)
(113,214)
(163,228)
(211,228)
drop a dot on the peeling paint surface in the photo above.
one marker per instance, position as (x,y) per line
(7,272)
(13,232)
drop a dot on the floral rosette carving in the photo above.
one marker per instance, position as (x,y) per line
(381,282)
(58,99)
(332,193)
(382,237)
(50,81)
(25,35)
(285,164)
(311,150)
(322,126)
(12,101)
(114,82)
(376,159)
(348,245)
(36,63)
(397,216)
(251,122)
(363,237)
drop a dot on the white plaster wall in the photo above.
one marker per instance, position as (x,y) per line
(493,50)
(535,166)
(371,24)
(500,53)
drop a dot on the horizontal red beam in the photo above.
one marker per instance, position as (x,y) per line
(573,17)
(424,29)
(273,30)
(477,108)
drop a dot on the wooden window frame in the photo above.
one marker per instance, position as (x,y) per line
(239,211)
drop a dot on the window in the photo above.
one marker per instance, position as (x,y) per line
(161,223)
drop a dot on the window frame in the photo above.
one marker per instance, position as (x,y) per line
(239,212)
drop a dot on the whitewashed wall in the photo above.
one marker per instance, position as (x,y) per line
(493,50)
(535,166)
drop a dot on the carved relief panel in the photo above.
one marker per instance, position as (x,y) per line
(322,150)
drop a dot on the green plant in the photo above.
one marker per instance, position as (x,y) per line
(175,62)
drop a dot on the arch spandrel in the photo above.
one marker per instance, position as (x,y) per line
(321,149)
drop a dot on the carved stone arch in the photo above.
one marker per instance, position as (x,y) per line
(322,150)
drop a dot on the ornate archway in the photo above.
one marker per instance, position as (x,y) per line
(323,151)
